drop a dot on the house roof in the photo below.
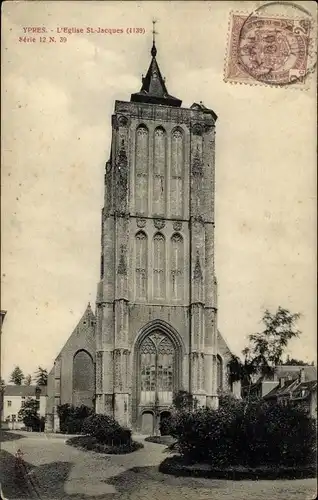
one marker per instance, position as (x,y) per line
(153,89)
(283,390)
(297,390)
(24,390)
(289,372)
(303,390)
(292,371)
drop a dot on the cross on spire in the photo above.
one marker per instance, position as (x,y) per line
(154,33)
(153,89)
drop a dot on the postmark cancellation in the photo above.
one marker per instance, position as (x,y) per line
(268,50)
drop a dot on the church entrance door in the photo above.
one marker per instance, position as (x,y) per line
(147,423)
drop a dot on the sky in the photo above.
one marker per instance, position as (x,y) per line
(57,100)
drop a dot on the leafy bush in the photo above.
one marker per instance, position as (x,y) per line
(184,400)
(91,443)
(72,418)
(164,426)
(260,434)
(106,430)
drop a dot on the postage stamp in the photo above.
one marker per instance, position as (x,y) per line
(268,50)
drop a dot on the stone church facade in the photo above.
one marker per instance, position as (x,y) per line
(155,329)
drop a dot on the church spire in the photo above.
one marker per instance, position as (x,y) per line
(153,89)
(154,33)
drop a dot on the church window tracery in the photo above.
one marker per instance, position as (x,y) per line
(159,278)
(156,362)
(141,180)
(141,265)
(177,266)
(159,172)
(177,160)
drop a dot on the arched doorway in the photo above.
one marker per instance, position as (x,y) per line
(158,355)
(147,423)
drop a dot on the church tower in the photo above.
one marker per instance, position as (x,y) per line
(156,305)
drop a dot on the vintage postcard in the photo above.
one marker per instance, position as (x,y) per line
(158,258)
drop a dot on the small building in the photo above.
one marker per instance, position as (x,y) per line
(282,376)
(13,398)
(305,394)
(297,391)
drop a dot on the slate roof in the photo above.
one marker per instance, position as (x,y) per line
(284,390)
(303,390)
(24,390)
(297,390)
(153,89)
(289,372)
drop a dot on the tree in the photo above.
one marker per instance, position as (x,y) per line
(241,371)
(28,380)
(29,414)
(294,362)
(17,376)
(266,348)
(41,376)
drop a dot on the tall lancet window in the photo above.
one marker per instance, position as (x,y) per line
(141,168)
(219,372)
(159,172)
(141,271)
(177,267)
(177,159)
(159,270)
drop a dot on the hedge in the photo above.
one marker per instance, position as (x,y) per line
(255,435)
(176,467)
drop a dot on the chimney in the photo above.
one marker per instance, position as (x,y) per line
(281,381)
(302,376)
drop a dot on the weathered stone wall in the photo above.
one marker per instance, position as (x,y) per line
(61,388)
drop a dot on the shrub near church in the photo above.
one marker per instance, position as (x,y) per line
(256,435)
(104,434)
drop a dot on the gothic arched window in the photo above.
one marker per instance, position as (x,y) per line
(141,265)
(83,379)
(157,357)
(159,172)
(177,159)
(159,268)
(141,167)
(177,266)
(219,371)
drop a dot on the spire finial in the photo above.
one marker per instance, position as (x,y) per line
(154,33)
